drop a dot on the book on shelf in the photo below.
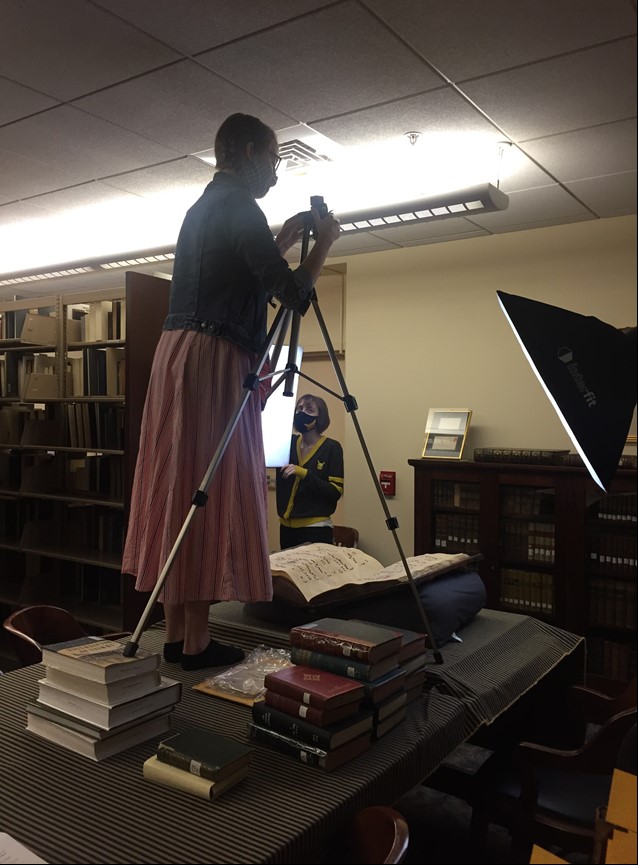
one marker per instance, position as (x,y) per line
(107,693)
(307,754)
(344,666)
(167,694)
(379,690)
(324,573)
(534,456)
(318,717)
(347,638)
(204,753)
(412,642)
(98,659)
(327,738)
(92,741)
(170,776)
(313,687)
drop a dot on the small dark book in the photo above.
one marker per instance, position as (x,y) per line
(389,707)
(313,687)
(412,642)
(380,689)
(308,754)
(389,723)
(347,638)
(203,753)
(344,666)
(318,717)
(326,738)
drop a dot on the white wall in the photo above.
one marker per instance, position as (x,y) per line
(424,330)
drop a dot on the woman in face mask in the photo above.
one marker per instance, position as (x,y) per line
(309,487)
(227,265)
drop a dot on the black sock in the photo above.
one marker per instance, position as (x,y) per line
(173,652)
(214,655)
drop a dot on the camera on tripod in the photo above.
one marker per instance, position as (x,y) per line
(319,204)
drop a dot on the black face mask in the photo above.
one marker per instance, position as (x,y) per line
(304,422)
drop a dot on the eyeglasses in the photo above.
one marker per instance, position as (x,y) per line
(275,161)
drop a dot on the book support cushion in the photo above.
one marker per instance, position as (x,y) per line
(450,601)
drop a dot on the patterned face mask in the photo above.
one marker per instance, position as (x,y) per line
(258,175)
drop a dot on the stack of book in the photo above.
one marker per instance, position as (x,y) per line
(97,702)
(412,657)
(346,689)
(199,762)
(313,715)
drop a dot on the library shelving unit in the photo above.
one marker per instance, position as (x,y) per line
(554,546)
(74,369)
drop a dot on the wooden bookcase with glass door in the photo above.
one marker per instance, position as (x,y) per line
(554,546)
(74,371)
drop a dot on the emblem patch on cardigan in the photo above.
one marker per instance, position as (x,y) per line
(320,465)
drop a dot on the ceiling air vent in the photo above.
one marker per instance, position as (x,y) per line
(296,154)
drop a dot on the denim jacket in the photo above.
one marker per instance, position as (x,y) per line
(227,266)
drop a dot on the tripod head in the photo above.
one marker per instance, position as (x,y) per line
(319,204)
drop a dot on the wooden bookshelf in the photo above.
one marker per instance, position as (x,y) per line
(68,446)
(554,546)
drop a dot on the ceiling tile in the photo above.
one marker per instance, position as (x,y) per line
(18,211)
(607,196)
(186,171)
(86,147)
(438,111)
(68,48)
(206,26)
(464,39)
(349,60)
(82,195)
(21,177)
(180,106)
(17,101)
(586,153)
(583,89)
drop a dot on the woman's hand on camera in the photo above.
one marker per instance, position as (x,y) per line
(291,233)
(327,226)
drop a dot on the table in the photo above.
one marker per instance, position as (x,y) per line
(68,809)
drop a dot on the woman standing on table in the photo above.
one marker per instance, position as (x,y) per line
(227,265)
(309,487)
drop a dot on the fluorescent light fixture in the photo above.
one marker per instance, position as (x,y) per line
(462,202)
(587,369)
(134,259)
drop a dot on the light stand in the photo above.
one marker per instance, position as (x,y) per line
(276,334)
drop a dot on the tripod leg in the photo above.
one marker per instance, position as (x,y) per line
(391,522)
(200,497)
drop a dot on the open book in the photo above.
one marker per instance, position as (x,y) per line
(324,573)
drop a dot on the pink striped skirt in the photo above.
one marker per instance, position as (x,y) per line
(195,387)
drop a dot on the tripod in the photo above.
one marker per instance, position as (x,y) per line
(284,319)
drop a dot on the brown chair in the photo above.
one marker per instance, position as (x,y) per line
(31,628)
(547,796)
(345,536)
(378,835)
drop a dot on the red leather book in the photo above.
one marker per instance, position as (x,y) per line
(313,687)
(347,638)
(318,717)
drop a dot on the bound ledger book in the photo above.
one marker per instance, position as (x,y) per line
(347,638)
(324,574)
(97,659)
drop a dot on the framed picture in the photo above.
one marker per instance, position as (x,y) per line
(445,433)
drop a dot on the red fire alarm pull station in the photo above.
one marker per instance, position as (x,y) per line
(388,481)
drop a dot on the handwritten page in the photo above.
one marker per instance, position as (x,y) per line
(12,852)
(424,565)
(318,568)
